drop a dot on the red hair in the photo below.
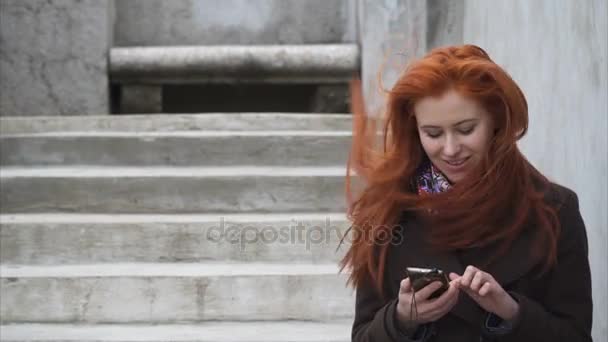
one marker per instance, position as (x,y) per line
(505,189)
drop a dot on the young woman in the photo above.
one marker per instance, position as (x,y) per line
(450,190)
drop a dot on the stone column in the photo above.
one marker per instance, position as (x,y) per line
(53,57)
(392,32)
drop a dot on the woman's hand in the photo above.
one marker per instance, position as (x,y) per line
(426,310)
(487,292)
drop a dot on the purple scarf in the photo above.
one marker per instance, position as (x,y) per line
(429,180)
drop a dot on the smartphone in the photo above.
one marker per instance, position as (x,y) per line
(421,277)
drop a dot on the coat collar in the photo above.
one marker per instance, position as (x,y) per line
(415,251)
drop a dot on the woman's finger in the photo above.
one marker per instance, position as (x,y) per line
(444,299)
(424,293)
(468,275)
(477,281)
(469,291)
(405,286)
(485,289)
(439,311)
(451,302)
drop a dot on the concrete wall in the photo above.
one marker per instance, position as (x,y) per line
(444,22)
(556,51)
(222,22)
(53,57)
(391,33)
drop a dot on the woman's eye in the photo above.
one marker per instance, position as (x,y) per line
(466,131)
(433,134)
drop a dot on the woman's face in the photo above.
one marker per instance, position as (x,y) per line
(455,132)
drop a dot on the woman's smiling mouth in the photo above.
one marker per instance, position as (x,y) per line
(456,163)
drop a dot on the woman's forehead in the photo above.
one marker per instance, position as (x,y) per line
(446,110)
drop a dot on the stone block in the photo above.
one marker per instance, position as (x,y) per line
(53,57)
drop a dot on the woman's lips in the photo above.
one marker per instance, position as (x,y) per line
(456,165)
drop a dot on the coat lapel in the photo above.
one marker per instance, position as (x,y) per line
(415,251)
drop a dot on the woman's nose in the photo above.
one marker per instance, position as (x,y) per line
(452,146)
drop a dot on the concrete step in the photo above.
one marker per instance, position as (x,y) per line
(181,148)
(172,190)
(177,122)
(279,331)
(99,238)
(171,293)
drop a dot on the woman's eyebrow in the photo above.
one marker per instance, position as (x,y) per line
(456,124)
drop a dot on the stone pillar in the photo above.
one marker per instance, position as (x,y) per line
(141,99)
(556,50)
(53,57)
(392,32)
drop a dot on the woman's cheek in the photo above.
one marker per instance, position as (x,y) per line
(431,146)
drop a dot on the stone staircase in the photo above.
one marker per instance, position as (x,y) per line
(202,227)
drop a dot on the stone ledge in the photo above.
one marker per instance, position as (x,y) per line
(326,63)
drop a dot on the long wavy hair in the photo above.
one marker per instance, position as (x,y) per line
(504,189)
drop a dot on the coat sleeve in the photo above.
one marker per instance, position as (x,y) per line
(375,319)
(565,313)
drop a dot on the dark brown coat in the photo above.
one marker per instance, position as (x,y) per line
(554,307)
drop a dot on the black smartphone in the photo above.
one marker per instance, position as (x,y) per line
(421,277)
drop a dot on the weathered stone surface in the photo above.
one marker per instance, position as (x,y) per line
(169,293)
(329,98)
(178,122)
(283,331)
(211,22)
(172,190)
(141,99)
(207,148)
(234,63)
(392,34)
(53,57)
(444,23)
(76,239)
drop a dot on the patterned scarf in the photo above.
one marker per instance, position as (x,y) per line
(429,180)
